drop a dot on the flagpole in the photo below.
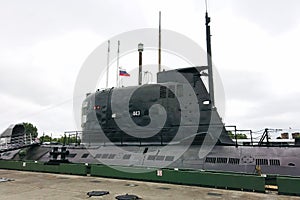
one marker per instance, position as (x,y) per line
(107,67)
(118,67)
(159,43)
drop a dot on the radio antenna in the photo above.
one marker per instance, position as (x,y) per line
(107,67)
(159,43)
(118,67)
(209,59)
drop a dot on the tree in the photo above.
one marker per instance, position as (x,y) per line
(45,138)
(241,136)
(30,129)
(230,134)
(68,139)
(71,139)
(238,135)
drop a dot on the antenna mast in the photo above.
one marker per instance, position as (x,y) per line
(118,67)
(107,67)
(159,43)
(209,59)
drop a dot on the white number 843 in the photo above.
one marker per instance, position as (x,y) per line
(136,113)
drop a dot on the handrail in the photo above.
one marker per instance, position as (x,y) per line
(16,142)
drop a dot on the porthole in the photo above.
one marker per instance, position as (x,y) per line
(291,164)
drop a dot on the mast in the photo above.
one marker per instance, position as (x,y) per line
(140,50)
(107,67)
(159,43)
(209,60)
(118,67)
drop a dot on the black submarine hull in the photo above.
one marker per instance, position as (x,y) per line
(242,159)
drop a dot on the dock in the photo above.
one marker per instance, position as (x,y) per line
(35,185)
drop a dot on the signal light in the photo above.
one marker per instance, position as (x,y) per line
(97,107)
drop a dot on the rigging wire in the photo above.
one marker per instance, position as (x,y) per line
(258,131)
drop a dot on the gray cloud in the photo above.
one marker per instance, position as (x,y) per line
(275,16)
(264,106)
(30,86)
(26,22)
(245,85)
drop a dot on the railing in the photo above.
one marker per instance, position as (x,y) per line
(92,138)
(9,143)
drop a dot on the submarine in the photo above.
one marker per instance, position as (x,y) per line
(173,123)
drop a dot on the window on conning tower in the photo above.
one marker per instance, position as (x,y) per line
(163,92)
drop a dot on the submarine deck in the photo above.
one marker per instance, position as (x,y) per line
(33,185)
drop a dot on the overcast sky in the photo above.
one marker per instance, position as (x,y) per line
(255,48)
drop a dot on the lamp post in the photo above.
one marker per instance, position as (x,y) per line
(140,49)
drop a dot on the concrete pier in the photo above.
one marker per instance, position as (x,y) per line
(33,185)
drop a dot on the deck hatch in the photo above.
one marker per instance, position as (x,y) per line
(160,158)
(261,161)
(274,162)
(151,157)
(169,158)
(234,161)
(221,160)
(98,155)
(210,159)
(104,156)
(71,155)
(111,156)
(85,155)
(126,156)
